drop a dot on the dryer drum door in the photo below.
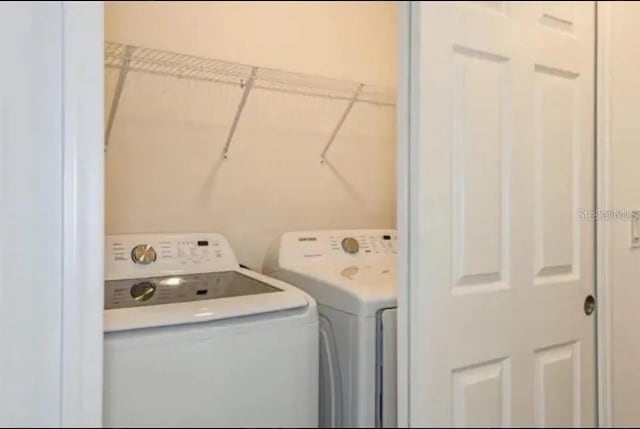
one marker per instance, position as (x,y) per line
(330,380)
(386,377)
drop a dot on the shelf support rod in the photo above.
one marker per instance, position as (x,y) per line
(124,69)
(243,100)
(343,118)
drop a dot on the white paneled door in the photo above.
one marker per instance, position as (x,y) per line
(501,163)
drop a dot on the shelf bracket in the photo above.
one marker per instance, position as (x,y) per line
(118,92)
(243,100)
(343,118)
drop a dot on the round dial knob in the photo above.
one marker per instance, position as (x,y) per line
(350,245)
(143,254)
(142,291)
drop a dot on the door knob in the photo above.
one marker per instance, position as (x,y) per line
(589,305)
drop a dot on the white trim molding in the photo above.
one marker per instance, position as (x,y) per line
(403,173)
(83,218)
(604,229)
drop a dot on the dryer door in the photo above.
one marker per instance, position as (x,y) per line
(387,372)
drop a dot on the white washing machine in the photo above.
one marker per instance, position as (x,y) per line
(352,276)
(192,339)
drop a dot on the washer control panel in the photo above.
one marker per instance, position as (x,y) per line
(339,245)
(148,255)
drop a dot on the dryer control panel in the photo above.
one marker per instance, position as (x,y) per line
(337,245)
(149,255)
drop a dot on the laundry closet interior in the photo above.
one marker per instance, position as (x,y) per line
(251,120)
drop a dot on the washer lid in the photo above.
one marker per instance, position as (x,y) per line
(170,300)
(172,289)
(360,289)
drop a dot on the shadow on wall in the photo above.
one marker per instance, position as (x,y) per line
(165,170)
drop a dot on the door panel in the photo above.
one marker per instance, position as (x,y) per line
(557,386)
(478,174)
(556,153)
(481,395)
(501,160)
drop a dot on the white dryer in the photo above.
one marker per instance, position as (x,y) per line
(352,276)
(192,339)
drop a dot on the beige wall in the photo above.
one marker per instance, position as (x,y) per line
(163,171)
(625,138)
(347,40)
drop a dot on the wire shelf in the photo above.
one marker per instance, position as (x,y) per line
(128,58)
(166,63)
(155,61)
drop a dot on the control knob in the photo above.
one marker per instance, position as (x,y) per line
(143,254)
(142,291)
(350,245)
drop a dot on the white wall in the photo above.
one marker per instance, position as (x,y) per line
(625,139)
(30,213)
(163,171)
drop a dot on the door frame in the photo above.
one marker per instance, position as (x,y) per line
(604,231)
(406,134)
(83,213)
